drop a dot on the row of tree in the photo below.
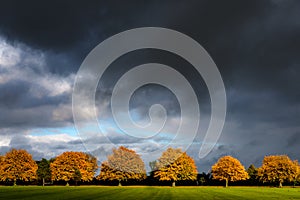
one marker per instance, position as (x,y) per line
(126,165)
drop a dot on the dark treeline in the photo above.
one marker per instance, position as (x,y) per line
(203,179)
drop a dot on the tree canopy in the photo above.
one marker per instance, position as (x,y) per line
(229,169)
(66,164)
(278,168)
(77,176)
(122,165)
(175,165)
(252,172)
(125,164)
(18,165)
(44,172)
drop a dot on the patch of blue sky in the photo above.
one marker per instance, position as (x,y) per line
(70,130)
(136,117)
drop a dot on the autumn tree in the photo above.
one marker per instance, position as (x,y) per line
(66,164)
(298,174)
(297,178)
(1,165)
(1,159)
(18,165)
(229,169)
(278,169)
(122,165)
(44,172)
(175,165)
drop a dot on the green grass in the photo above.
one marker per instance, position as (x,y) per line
(159,193)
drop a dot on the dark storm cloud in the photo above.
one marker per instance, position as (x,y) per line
(16,94)
(255,45)
(74,28)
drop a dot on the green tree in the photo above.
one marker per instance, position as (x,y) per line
(77,176)
(44,172)
(203,178)
(122,165)
(175,165)
(229,169)
(152,165)
(18,165)
(252,172)
(278,169)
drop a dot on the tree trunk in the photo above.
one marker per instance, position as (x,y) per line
(173,184)
(226,184)
(120,183)
(43,182)
(15,182)
(280,184)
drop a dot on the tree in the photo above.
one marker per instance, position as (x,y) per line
(18,165)
(203,178)
(175,165)
(297,178)
(278,169)
(152,165)
(77,176)
(65,165)
(1,165)
(122,165)
(44,172)
(252,172)
(229,169)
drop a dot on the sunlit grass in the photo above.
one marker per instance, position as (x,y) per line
(98,192)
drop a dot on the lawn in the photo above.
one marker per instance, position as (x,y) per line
(119,193)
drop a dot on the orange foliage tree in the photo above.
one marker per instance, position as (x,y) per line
(278,168)
(297,179)
(1,160)
(122,165)
(67,164)
(175,165)
(18,165)
(1,165)
(229,169)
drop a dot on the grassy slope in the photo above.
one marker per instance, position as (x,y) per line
(147,193)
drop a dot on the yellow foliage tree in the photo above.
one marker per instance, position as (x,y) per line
(122,165)
(175,165)
(67,164)
(1,160)
(278,168)
(229,169)
(297,178)
(1,166)
(18,165)
(298,174)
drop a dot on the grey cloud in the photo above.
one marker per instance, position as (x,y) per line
(255,45)
(294,140)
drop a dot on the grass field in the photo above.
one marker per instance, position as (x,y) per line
(119,193)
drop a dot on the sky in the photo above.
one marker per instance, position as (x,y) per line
(255,45)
